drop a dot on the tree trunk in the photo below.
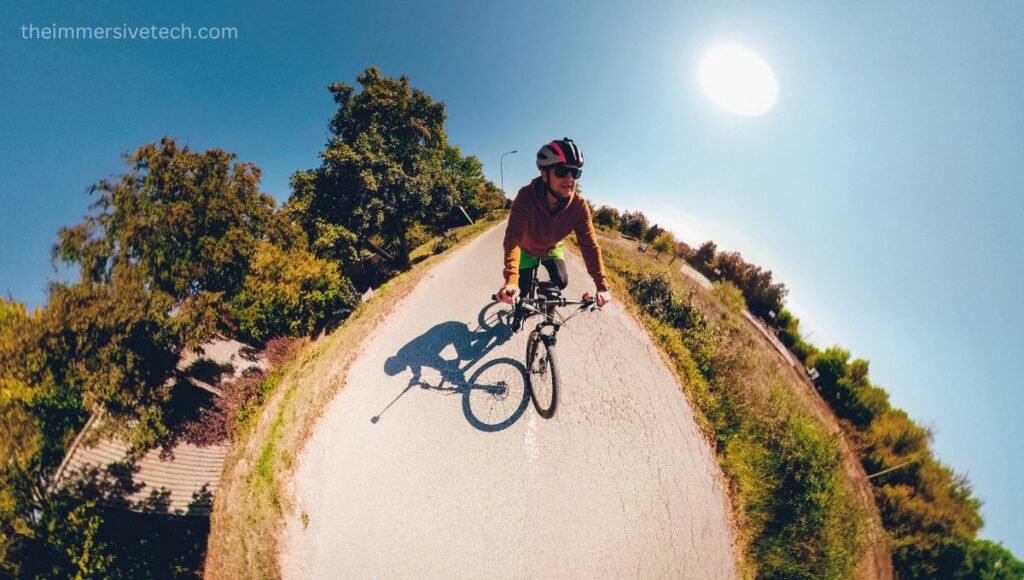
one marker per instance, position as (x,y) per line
(402,259)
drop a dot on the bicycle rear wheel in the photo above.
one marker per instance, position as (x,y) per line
(542,375)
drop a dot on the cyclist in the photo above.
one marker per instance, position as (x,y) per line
(543,214)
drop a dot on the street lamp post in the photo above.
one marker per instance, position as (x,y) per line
(502,164)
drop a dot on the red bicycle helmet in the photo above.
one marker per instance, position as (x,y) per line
(560,152)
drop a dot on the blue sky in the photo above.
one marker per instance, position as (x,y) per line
(884,189)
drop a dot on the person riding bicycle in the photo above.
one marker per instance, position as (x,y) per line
(544,212)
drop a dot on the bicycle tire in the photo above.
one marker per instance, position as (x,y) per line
(542,375)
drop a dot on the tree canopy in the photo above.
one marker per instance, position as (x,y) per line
(188,221)
(387,167)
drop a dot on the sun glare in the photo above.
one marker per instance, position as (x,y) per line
(738,80)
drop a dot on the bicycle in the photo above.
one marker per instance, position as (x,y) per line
(544,299)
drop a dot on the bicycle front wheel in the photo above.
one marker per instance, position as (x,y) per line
(542,375)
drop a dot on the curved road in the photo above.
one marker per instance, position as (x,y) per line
(417,469)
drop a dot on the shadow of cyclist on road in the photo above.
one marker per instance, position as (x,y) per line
(452,349)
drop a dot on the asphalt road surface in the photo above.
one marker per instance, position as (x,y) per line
(418,469)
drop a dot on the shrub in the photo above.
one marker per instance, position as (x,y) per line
(446,242)
(810,529)
(730,296)
(290,293)
(240,400)
(281,350)
(418,235)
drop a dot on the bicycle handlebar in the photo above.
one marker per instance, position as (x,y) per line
(585,303)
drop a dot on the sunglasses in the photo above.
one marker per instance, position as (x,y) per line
(562,171)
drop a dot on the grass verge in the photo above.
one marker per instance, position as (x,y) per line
(249,504)
(795,516)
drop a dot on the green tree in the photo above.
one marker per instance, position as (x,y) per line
(986,560)
(290,292)
(846,387)
(384,169)
(607,217)
(188,221)
(705,256)
(634,224)
(40,535)
(664,242)
(489,197)
(477,194)
(117,346)
(652,234)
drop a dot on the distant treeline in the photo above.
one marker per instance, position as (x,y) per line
(927,508)
(183,248)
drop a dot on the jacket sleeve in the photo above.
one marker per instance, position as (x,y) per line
(587,238)
(517,221)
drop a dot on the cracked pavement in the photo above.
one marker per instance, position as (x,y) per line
(432,462)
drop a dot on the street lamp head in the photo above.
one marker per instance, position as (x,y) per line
(502,167)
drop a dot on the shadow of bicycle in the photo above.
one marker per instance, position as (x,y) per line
(494,396)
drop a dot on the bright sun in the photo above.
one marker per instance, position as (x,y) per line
(738,80)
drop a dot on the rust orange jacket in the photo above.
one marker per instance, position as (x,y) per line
(533,229)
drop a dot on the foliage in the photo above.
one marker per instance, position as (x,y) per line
(763,296)
(664,242)
(289,292)
(787,469)
(446,242)
(652,234)
(117,344)
(96,344)
(281,350)
(990,561)
(607,217)
(79,539)
(64,543)
(681,250)
(419,235)
(730,296)
(804,511)
(188,221)
(490,198)
(704,257)
(926,507)
(475,192)
(387,166)
(633,224)
(846,387)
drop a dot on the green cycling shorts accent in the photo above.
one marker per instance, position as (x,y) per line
(526,261)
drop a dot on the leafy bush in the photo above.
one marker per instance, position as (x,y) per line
(730,296)
(290,293)
(418,235)
(811,526)
(281,350)
(446,242)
